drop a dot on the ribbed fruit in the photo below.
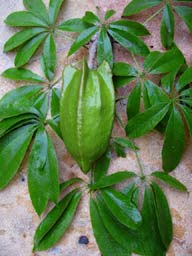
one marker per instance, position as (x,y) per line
(87,112)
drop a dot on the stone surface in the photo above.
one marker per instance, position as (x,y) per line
(18,219)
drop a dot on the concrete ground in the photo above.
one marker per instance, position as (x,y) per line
(18,220)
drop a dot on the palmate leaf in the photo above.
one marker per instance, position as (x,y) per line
(167,23)
(83,38)
(167,27)
(129,26)
(38,8)
(21,37)
(24,19)
(55,224)
(74,25)
(187,112)
(21,74)
(39,24)
(136,6)
(133,101)
(171,181)
(104,48)
(55,102)
(124,32)
(48,60)
(107,245)
(174,142)
(9,124)
(19,101)
(144,241)
(127,238)
(147,120)
(43,172)
(28,50)
(101,166)
(112,179)
(129,41)
(125,211)
(54,8)
(163,214)
(13,147)
(185,13)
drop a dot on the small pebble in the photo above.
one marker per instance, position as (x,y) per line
(83,240)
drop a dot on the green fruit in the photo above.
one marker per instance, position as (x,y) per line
(87,112)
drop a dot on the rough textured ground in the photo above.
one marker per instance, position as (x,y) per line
(18,220)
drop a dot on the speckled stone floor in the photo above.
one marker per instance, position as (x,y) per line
(18,220)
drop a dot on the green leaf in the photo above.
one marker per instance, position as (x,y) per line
(58,226)
(167,27)
(185,79)
(54,8)
(136,6)
(101,166)
(151,60)
(24,19)
(155,93)
(28,50)
(83,38)
(129,26)
(68,183)
(119,150)
(167,81)
(120,81)
(163,215)
(171,181)
(126,212)
(133,101)
(21,37)
(21,74)
(149,231)
(107,245)
(185,13)
(188,116)
(74,25)
(129,41)
(104,48)
(125,142)
(90,18)
(174,142)
(19,101)
(147,120)
(13,148)
(124,236)
(109,14)
(48,60)
(49,223)
(41,103)
(170,61)
(55,125)
(112,179)
(10,124)
(38,8)
(43,172)
(55,102)
(124,70)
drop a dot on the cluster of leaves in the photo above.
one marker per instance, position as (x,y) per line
(124,32)
(119,227)
(167,8)
(167,107)
(38,28)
